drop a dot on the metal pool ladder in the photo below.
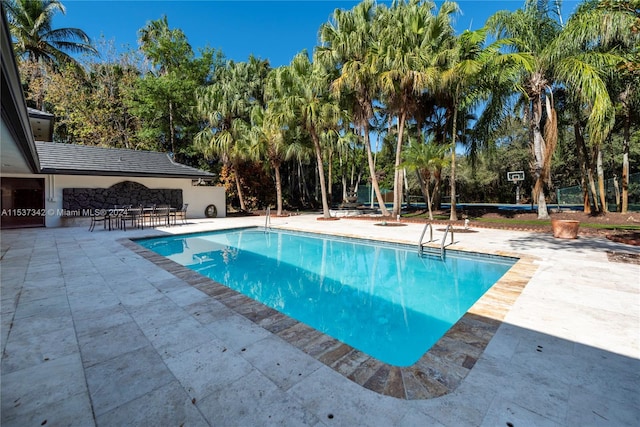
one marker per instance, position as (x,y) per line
(267,220)
(421,244)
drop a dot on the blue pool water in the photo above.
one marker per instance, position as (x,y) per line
(383,299)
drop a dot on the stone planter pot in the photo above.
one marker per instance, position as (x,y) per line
(565,228)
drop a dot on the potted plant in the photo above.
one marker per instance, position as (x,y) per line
(565,228)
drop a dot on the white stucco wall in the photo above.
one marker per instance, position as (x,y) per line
(198,197)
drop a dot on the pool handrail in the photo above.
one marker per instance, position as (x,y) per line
(424,230)
(444,237)
(267,220)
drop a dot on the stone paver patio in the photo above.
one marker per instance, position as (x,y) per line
(93,333)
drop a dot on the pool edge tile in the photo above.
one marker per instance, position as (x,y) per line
(438,372)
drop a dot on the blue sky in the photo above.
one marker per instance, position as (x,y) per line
(268,29)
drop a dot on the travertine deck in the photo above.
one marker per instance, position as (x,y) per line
(92,333)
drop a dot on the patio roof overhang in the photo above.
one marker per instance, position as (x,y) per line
(17,148)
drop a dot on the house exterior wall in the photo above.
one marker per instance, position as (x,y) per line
(198,197)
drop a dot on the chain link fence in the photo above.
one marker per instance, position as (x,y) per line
(573,195)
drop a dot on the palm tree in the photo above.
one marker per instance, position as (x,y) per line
(268,142)
(553,60)
(34,39)
(271,139)
(348,43)
(464,69)
(274,136)
(412,39)
(306,100)
(628,99)
(398,65)
(226,106)
(474,74)
(39,44)
(425,159)
(599,26)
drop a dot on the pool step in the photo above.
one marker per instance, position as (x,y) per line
(430,251)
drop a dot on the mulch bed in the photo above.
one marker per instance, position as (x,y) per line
(623,257)
(629,238)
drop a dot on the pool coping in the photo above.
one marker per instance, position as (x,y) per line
(438,372)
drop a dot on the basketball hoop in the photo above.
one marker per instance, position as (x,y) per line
(516,177)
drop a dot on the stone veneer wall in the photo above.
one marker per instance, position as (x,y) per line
(123,193)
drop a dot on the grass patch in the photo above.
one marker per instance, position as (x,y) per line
(548,222)
(611,227)
(513,222)
(423,215)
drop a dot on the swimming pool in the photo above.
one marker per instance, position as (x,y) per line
(380,298)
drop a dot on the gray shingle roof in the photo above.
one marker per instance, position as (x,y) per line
(70,159)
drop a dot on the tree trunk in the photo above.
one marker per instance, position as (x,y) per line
(539,159)
(591,194)
(592,182)
(276,167)
(302,184)
(626,139)
(582,154)
(424,187)
(603,194)
(239,188)
(616,188)
(406,187)
(172,135)
(323,189)
(356,185)
(397,180)
(353,185)
(436,198)
(372,172)
(453,215)
(330,178)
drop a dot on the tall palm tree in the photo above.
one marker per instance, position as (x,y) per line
(411,38)
(600,26)
(271,139)
(226,106)
(553,61)
(473,71)
(307,101)
(349,43)
(268,135)
(34,39)
(268,142)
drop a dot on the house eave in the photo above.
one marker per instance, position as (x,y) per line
(50,171)
(14,109)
